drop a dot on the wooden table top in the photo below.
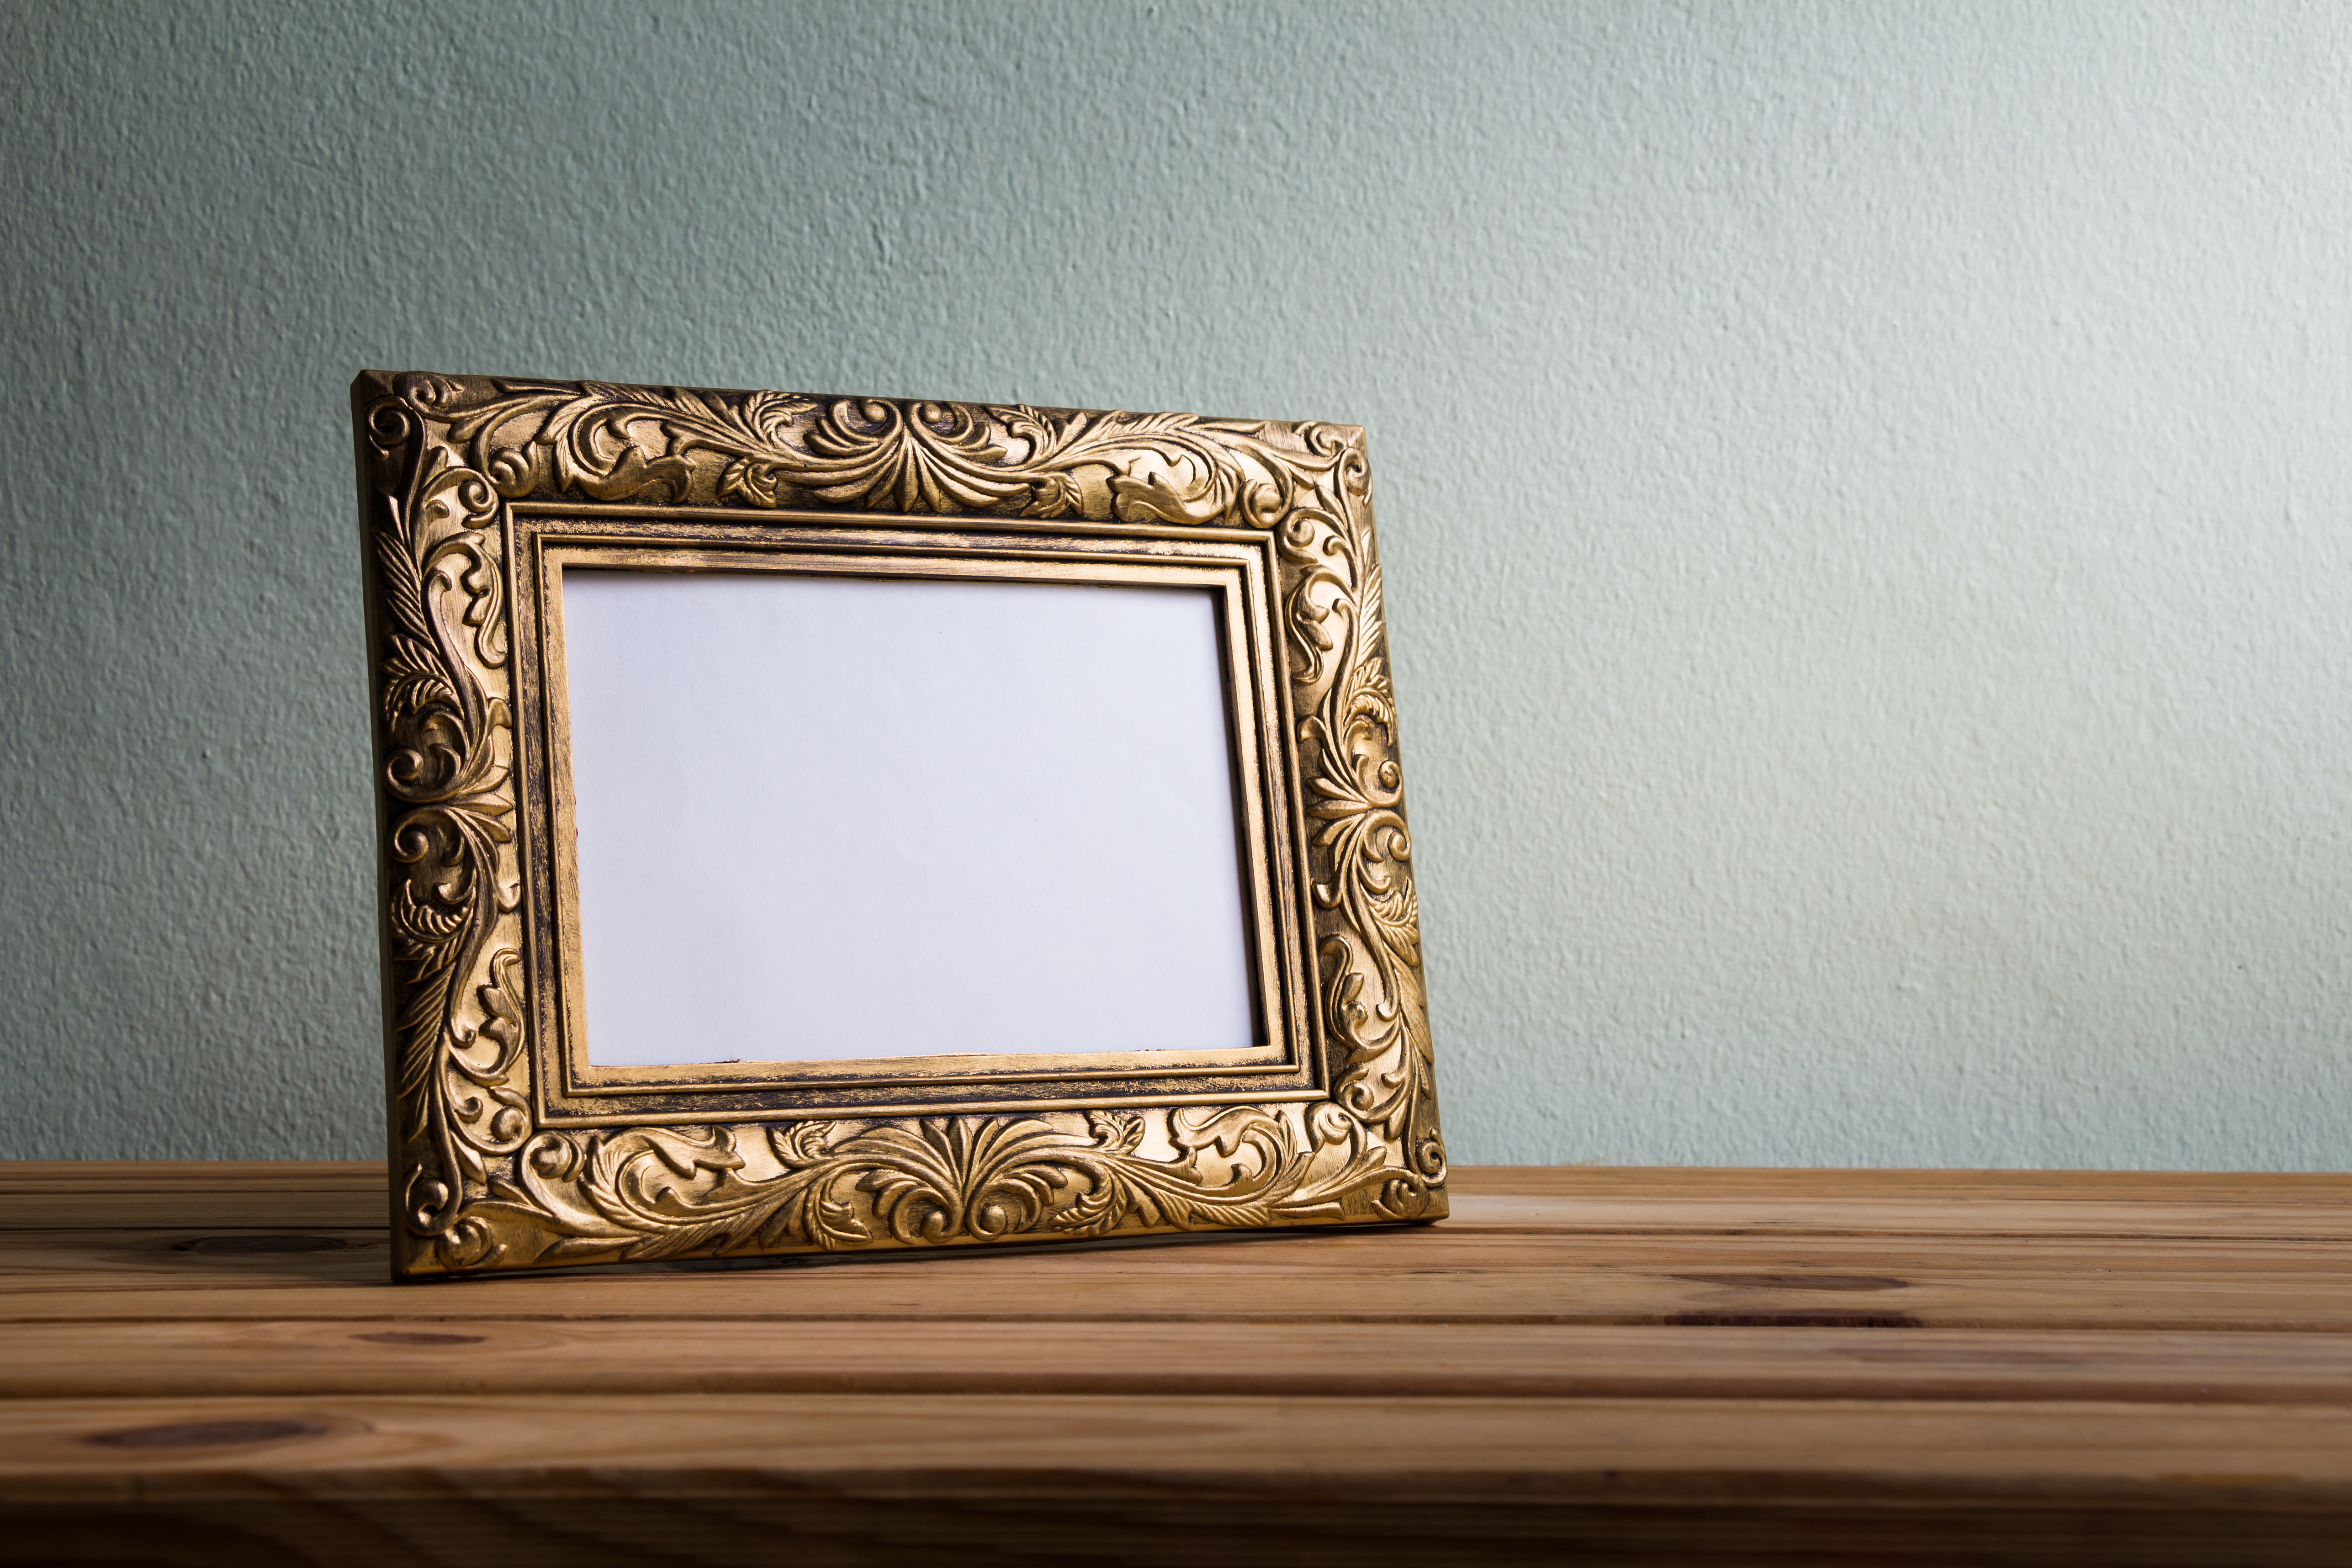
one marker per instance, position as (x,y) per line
(204,1363)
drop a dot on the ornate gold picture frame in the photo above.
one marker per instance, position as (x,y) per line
(514,1145)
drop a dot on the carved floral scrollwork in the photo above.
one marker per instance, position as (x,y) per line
(453,887)
(646,1193)
(674,447)
(481,1185)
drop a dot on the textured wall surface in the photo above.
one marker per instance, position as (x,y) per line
(1866,493)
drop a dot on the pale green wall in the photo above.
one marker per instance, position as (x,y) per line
(1866,491)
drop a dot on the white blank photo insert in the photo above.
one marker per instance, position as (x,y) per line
(830,817)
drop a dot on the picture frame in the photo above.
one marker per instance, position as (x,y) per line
(584,598)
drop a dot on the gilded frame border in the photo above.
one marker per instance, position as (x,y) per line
(573,1091)
(453,469)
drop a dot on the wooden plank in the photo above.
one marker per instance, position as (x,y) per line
(313,1209)
(732,1478)
(619,1520)
(310,1208)
(223,1193)
(1670,1214)
(198,1209)
(502,1357)
(2269,1188)
(1421,1275)
(255,1194)
(2289,1455)
(183,1175)
(2266,1187)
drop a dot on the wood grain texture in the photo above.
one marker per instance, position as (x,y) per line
(203,1365)
(1438,1274)
(390,1356)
